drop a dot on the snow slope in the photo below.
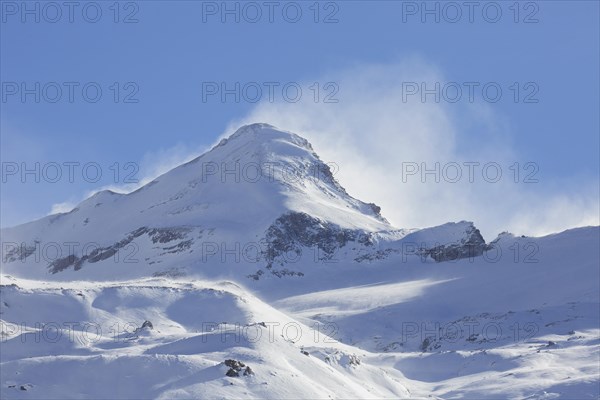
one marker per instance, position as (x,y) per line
(253,254)
(197,326)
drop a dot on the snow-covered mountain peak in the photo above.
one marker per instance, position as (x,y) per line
(261,133)
(260,181)
(261,186)
(262,172)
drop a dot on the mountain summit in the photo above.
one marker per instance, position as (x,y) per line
(261,190)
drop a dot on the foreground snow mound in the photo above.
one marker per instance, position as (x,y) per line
(164,339)
(478,327)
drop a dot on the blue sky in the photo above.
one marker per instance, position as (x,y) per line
(549,48)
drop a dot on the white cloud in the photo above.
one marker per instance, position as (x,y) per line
(64,207)
(372,131)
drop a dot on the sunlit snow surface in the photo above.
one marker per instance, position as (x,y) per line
(521,321)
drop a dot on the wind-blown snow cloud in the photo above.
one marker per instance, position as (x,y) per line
(63,207)
(378,135)
(373,134)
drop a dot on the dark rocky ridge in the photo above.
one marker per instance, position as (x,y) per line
(294,233)
(472,245)
(157,235)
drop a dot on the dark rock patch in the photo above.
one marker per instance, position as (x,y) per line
(294,232)
(236,367)
(157,235)
(473,245)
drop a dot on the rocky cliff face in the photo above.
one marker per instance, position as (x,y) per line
(470,246)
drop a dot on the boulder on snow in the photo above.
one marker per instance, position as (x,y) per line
(236,367)
(147,324)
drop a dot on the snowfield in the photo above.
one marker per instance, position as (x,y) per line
(249,272)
